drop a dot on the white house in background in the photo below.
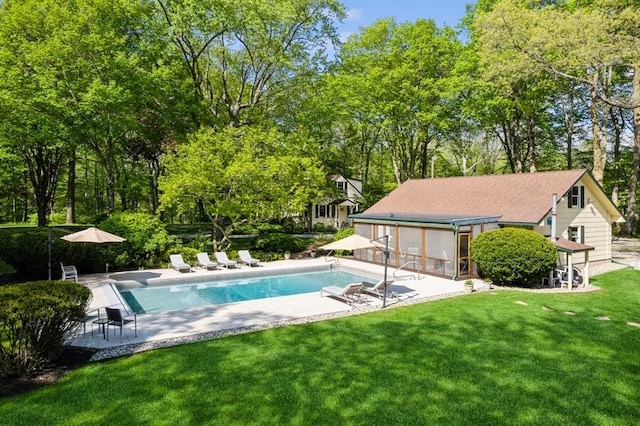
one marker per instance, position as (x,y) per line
(431,222)
(334,211)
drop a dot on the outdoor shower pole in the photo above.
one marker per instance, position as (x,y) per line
(386,263)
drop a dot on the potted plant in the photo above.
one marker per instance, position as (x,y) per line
(468,285)
(287,255)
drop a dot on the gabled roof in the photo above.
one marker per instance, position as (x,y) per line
(523,198)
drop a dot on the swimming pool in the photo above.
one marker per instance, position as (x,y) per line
(182,296)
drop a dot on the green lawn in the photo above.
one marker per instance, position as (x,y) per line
(476,359)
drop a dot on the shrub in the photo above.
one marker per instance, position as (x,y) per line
(35,319)
(513,256)
(147,238)
(280,243)
(343,233)
(189,254)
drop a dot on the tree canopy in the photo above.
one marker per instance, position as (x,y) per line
(236,111)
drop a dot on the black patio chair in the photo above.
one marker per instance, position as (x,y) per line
(116,319)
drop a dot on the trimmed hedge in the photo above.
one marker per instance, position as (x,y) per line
(513,256)
(26,249)
(35,320)
(280,243)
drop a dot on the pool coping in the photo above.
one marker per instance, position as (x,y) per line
(204,323)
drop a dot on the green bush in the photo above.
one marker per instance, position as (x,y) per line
(280,243)
(189,254)
(343,233)
(147,238)
(26,249)
(35,319)
(513,256)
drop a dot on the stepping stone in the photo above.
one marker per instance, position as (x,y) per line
(544,308)
(633,324)
(603,318)
(520,302)
(569,313)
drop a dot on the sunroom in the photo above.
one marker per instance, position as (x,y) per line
(431,244)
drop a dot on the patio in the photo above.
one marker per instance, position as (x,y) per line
(177,327)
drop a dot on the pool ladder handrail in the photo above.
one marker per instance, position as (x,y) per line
(407,276)
(333,259)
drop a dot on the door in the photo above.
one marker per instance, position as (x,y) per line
(464,257)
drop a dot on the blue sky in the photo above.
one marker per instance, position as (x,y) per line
(362,13)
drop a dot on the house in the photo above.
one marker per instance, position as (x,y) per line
(431,222)
(334,211)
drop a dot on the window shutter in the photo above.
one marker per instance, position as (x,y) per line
(317,208)
(581,234)
(570,197)
(582,197)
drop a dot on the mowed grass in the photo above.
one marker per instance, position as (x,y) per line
(507,357)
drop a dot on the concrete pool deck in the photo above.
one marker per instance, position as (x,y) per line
(176,327)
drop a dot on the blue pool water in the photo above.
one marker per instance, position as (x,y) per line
(182,296)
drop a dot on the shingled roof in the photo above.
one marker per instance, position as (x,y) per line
(523,198)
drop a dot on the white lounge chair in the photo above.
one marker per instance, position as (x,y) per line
(377,289)
(222,259)
(205,262)
(350,293)
(176,262)
(245,257)
(69,272)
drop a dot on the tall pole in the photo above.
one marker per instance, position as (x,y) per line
(386,263)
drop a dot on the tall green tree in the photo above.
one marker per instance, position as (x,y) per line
(244,55)
(394,80)
(239,174)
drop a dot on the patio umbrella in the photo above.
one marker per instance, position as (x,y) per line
(357,242)
(352,242)
(89,235)
(93,235)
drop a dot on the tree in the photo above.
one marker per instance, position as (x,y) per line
(585,43)
(394,81)
(241,56)
(239,174)
(32,105)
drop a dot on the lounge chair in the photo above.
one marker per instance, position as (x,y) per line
(115,318)
(350,293)
(69,272)
(245,257)
(176,262)
(222,259)
(376,289)
(205,262)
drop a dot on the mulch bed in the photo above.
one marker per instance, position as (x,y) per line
(71,358)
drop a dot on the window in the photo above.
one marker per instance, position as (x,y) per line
(576,197)
(321,210)
(342,185)
(576,234)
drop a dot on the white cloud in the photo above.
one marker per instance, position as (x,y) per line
(353,15)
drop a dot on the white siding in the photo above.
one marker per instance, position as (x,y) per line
(597,227)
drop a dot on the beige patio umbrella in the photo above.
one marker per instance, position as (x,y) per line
(357,242)
(352,242)
(93,235)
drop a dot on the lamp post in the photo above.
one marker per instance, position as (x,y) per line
(386,263)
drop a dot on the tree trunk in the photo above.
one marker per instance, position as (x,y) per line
(43,167)
(599,139)
(71,188)
(632,206)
